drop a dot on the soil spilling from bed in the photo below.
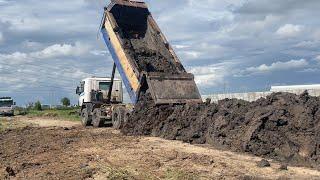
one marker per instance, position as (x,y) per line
(283,126)
(143,42)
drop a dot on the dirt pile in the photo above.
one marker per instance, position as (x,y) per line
(283,126)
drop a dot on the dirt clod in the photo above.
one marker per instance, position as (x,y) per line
(282,126)
(283,167)
(10,171)
(263,163)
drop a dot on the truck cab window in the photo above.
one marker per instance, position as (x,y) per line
(6,103)
(82,87)
(104,86)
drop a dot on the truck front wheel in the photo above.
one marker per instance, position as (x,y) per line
(85,118)
(118,117)
(97,121)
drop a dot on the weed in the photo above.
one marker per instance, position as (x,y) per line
(175,174)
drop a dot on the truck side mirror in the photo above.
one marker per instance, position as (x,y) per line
(14,103)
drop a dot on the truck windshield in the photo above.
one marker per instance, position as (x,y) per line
(6,103)
(104,86)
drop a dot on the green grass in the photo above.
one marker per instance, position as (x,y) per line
(176,174)
(115,174)
(65,114)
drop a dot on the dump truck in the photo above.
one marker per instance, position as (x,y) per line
(98,104)
(145,60)
(6,106)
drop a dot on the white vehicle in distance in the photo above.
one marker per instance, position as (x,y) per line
(6,106)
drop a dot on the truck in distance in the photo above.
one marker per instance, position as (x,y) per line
(6,106)
(101,101)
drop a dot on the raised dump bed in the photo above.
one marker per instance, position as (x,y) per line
(143,56)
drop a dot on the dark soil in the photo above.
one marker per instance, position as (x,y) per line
(282,126)
(143,42)
(263,163)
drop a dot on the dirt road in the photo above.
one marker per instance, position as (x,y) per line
(40,148)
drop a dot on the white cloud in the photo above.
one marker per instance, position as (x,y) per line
(31,45)
(207,76)
(277,66)
(16,56)
(99,52)
(202,50)
(4,2)
(290,30)
(211,75)
(318,58)
(215,4)
(310,70)
(57,50)
(190,54)
(307,44)
(54,51)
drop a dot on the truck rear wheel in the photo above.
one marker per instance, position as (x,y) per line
(126,116)
(97,121)
(118,117)
(85,118)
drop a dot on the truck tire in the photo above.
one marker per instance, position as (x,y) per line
(118,116)
(97,121)
(85,118)
(126,116)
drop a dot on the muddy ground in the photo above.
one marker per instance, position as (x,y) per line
(42,148)
(283,126)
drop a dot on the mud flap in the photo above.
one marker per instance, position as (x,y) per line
(173,89)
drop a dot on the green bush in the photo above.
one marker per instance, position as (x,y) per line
(38,106)
(65,101)
(20,111)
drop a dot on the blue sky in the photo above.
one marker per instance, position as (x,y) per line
(47,47)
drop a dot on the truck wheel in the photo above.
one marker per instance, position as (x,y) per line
(97,121)
(126,116)
(85,118)
(118,115)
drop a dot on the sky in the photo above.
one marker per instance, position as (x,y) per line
(47,47)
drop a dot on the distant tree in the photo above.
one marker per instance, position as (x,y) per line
(65,101)
(38,106)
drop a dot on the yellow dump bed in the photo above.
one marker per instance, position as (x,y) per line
(143,56)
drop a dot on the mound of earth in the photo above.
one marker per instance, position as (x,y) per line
(283,126)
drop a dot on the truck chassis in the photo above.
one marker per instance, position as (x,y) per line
(99,114)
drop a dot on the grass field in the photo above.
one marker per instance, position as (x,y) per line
(65,114)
